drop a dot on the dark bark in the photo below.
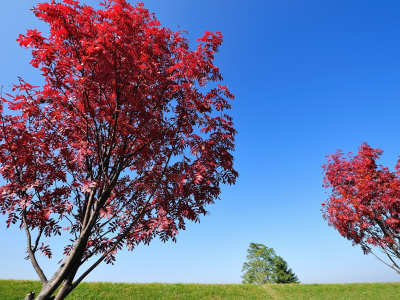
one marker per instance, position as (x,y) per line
(30,296)
(66,286)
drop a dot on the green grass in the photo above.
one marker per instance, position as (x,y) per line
(17,289)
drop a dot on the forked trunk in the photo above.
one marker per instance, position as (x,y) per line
(44,294)
(50,287)
(66,286)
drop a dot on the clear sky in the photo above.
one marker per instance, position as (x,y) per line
(309,77)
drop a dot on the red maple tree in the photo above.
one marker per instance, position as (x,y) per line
(123,143)
(364,205)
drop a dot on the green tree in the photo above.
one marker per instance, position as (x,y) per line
(264,266)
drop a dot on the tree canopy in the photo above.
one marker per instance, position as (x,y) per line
(264,266)
(364,205)
(123,143)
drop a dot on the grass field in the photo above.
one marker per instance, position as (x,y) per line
(17,289)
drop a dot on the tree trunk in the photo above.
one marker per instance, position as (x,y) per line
(66,286)
(66,273)
(51,286)
(30,296)
(44,294)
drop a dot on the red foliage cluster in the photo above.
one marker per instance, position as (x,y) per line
(364,205)
(122,143)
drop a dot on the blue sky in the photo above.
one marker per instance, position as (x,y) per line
(309,77)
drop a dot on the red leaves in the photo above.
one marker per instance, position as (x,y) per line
(89,185)
(45,250)
(364,205)
(120,132)
(213,40)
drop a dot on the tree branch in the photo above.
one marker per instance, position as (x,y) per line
(32,257)
(370,251)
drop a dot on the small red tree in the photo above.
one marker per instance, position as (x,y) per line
(121,144)
(364,205)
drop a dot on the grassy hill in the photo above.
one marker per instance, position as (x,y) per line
(17,289)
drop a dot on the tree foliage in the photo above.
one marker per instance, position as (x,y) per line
(264,266)
(364,205)
(123,143)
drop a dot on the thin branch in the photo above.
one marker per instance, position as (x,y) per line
(32,257)
(38,239)
(398,271)
(126,230)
